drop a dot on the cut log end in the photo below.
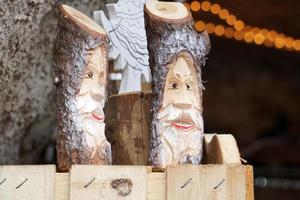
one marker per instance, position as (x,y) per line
(82,20)
(167,10)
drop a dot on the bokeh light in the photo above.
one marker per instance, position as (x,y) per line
(195,6)
(215,9)
(279,42)
(239,25)
(296,45)
(272,35)
(210,27)
(231,19)
(289,42)
(239,35)
(223,14)
(259,38)
(205,6)
(219,30)
(200,26)
(229,32)
(248,37)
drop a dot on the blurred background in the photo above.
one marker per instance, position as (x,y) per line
(252,80)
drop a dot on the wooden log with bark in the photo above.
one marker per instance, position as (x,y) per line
(176,54)
(81,79)
(128,120)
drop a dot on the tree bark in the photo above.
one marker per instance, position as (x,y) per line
(77,36)
(169,29)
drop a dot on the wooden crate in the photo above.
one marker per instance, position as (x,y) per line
(222,177)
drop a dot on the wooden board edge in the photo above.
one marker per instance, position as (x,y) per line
(249,182)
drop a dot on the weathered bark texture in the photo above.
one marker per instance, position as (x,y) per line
(27,111)
(167,38)
(128,120)
(74,42)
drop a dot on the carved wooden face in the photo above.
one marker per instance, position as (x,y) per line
(182,88)
(180,117)
(91,98)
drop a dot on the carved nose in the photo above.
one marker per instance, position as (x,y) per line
(97,97)
(182,102)
(182,105)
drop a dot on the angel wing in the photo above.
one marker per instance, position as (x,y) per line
(128,42)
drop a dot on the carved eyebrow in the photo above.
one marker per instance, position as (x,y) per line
(92,65)
(179,76)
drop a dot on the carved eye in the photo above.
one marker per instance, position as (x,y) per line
(174,86)
(188,87)
(90,75)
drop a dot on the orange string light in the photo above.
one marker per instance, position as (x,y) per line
(240,31)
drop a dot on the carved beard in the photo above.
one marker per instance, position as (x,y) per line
(183,145)
(90,107)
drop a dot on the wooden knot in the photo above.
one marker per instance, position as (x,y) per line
(123,186)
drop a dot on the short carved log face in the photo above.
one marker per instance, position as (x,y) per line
(91,99)
(180,117)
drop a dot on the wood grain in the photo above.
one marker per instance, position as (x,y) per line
(128,122)
(29,182)
(108,182)
(220,149)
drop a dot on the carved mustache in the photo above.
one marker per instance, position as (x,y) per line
(172,113)
(96,97)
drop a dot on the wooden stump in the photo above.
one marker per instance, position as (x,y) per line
(128,119)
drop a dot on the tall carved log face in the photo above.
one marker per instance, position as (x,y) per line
(176,54)
(81,79)
(180,117)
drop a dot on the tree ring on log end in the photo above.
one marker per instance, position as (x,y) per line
(82,20)
(167,10)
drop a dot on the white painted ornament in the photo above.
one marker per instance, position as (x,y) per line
(128,43)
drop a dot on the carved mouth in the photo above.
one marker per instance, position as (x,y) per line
(183,125)
(98,118)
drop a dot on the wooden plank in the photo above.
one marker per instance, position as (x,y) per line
(224,182)
(108,182)
(191,182)
(156,186)
(27,182)
(62,186)
(249,183)
(228,182)
(236,182)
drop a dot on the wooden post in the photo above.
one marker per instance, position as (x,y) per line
(176,54)
(128,121)
(81,78)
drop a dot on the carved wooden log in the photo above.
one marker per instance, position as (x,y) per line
(128,120)
(81,78)
(176,54)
